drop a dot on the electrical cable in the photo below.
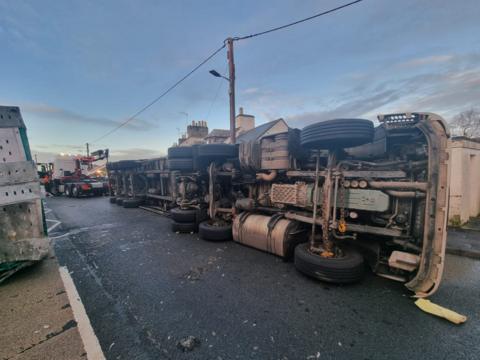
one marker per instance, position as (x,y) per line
(296,22)
(160,96)
(211,56)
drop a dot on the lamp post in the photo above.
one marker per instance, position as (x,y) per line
(231,90)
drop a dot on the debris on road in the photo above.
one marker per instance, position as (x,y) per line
(440,311)
(188,343)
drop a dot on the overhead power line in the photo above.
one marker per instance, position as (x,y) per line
(211,56)
(160,96)
(297,22)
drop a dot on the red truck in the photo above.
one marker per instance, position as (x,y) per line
(68,174)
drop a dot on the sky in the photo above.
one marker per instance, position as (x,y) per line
(77,69)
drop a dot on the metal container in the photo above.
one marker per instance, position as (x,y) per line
(273,234)
(275,153)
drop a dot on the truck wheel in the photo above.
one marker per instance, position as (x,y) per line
(75,191)
(341,270)
(180,164)
(183,215)
(223,151)
(338,133)
(113,200)
(184,227)
(212,232)
(180,152)
(68,191)
(131,203)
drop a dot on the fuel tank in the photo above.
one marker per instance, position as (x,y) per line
(273,234)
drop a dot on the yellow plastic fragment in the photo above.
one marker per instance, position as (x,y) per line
(342,226)
(437,310)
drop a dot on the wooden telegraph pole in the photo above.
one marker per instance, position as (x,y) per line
(231,92)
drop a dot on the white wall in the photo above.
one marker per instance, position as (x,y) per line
(464,180)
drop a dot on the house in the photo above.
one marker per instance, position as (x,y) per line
(196,133)
(270,128)
(217,136)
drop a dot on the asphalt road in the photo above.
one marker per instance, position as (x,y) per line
(145,288)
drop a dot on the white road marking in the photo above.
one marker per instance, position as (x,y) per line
(89,339)
(54,225)
(59,236)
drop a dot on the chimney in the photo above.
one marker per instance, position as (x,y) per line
(244,122)
(198,129)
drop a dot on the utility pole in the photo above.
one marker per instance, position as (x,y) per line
(231,92)
(88,149)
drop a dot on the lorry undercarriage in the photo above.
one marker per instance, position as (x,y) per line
(335,195)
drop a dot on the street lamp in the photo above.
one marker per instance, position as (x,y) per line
(217,74)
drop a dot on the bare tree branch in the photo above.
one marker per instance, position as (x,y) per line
(467,123)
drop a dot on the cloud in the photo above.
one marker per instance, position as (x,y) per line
(429,60)
(446,90)
(134,153)
(66,116)
(354,108)
(250,91)
(47,155)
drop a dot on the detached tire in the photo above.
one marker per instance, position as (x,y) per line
(338,133)
(180,164)
(180,152)
(131,203)
(210,232)
(223,151)
(184,227)
(183,215)
(113,200)
(343,270)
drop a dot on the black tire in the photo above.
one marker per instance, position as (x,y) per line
(68,191)
(338,133)
(180,164)
(180,152)
(211,232)
(113,200)
(131,203)
(120,201)
(341,270)
(183,215)
(75,191)
(184,227)
(224,151)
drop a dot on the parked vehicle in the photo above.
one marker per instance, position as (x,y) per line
(335,196)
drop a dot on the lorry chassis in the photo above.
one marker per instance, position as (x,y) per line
(347,194)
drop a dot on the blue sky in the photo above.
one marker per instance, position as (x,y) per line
(78,68)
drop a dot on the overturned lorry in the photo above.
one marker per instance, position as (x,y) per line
(336,195)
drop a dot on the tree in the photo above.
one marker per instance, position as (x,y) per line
(467,123)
